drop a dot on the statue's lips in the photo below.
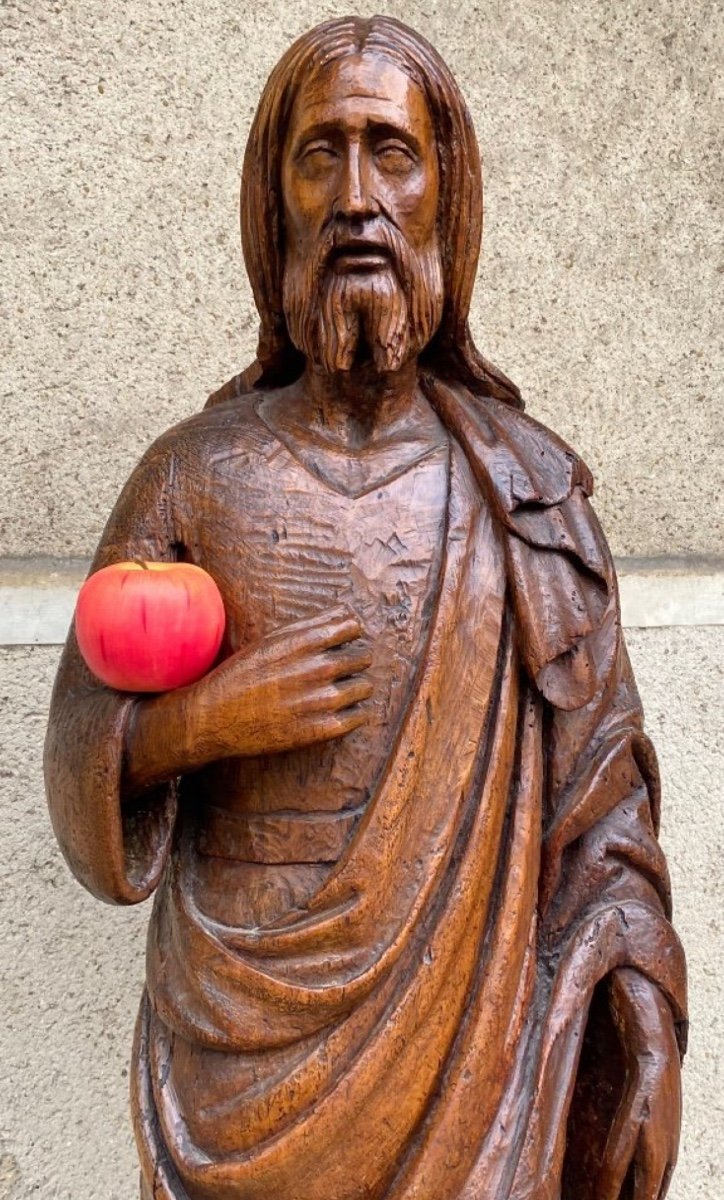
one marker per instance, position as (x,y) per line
(359,256)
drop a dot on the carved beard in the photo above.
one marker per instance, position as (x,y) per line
(391,312)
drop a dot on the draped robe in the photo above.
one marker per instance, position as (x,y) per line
(436,989)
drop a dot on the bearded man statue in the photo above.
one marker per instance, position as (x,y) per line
(410,938)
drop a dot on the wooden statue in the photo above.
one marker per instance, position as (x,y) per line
(411,933)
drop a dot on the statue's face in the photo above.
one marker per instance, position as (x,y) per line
(360,185)
(360,142)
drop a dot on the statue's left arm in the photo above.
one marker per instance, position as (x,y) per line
(602,853)
(608,950)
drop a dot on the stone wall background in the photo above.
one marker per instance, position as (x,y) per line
(600,292)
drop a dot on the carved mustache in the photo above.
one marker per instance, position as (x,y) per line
(380,236)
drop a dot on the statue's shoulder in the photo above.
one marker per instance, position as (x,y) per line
(542,485)
(229,428)
(559,566)
(525,463)
(544,467)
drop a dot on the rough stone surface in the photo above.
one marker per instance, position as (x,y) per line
(72,967)
(600,290)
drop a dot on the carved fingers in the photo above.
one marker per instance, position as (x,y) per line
(302,684)
(324,727)
(644,1137)
(644,1140)
(312,635)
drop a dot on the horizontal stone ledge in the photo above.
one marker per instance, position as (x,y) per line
(37,595)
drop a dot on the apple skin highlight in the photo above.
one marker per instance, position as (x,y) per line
(149,626)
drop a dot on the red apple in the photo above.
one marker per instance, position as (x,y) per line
(149,626)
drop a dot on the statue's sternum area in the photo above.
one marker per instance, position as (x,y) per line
(379,554)
(271,828)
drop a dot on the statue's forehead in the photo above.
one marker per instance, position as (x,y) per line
(359,87)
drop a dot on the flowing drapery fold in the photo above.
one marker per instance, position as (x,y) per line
(435,989)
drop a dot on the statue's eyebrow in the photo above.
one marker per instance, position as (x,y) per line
(391,130)
(333,130)
(319,129)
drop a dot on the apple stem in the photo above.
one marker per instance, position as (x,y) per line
(144,566)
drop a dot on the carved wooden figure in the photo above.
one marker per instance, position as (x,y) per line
(411,932)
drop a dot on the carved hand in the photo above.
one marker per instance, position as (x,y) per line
(297,686)
(645,1132)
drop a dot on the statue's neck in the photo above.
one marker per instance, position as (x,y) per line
(359,407)
(354,430)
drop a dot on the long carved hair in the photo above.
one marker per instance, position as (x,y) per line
(451,354)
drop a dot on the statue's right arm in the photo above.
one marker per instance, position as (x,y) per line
(116,845)
(111,759)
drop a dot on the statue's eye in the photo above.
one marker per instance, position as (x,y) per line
(318,156)
(395,158)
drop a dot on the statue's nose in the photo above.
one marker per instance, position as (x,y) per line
(355,200)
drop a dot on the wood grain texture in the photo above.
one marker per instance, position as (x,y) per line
(411,931)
